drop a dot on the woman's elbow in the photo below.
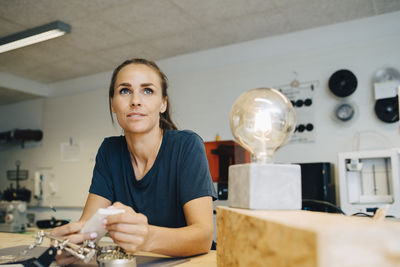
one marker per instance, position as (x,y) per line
(205,245)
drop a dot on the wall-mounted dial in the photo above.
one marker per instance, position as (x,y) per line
(344,112)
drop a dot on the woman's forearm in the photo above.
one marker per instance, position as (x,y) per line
(179,242)
(93,203)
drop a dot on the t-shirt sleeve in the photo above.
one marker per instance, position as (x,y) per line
(194,174)
(101,180)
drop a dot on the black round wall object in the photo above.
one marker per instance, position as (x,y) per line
(299,103)
(301,128)
(387,109)
(343,83)
(309,127)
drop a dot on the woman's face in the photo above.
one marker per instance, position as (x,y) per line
(137,100)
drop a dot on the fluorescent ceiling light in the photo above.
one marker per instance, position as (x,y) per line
(34,35)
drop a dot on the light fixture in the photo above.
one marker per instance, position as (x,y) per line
(34,35)
(262,120)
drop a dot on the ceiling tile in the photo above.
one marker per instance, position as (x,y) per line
(58,71)
(63,10)
(35,13)
(84,64)
(250,28)
(7,27)
(17,62)
(94,6)
(149,19)
(182,43)
(23,12)
(50,51)
(48,73)
(117,55)
(305,14)
(385,6)
(38,12)
(211,11)
(80,64)
(91,34)
(32,57)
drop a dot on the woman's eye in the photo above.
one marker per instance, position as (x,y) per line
(124,91)
(148,91)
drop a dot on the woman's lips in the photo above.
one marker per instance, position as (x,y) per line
(136,115)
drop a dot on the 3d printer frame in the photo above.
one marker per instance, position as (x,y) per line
(369,180)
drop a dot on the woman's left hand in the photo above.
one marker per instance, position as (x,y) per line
(128,230)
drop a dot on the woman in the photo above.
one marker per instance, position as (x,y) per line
(157,174)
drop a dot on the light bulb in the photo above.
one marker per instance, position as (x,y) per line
(262,120)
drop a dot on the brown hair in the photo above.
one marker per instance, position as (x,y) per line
(166,122)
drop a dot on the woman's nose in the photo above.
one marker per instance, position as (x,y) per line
(136,99)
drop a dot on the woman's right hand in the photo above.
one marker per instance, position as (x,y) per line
(71,232)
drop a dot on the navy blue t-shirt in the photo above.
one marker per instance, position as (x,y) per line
(179,174)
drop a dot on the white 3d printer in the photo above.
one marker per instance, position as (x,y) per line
(369,180)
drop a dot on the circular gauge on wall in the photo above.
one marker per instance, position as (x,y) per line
(345,112)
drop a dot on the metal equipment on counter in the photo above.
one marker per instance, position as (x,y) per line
(114,256)
(83,252)
(12,216)
(13,208)
(107,256)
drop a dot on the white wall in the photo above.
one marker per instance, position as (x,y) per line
(362,46)
(204,85)
(22,115)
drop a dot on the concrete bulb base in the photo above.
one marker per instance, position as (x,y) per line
(265,186)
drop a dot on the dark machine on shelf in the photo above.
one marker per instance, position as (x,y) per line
(20,137)
(318,187)
(220,155)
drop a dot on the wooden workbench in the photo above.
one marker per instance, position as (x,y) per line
(13,239)
(301,238)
